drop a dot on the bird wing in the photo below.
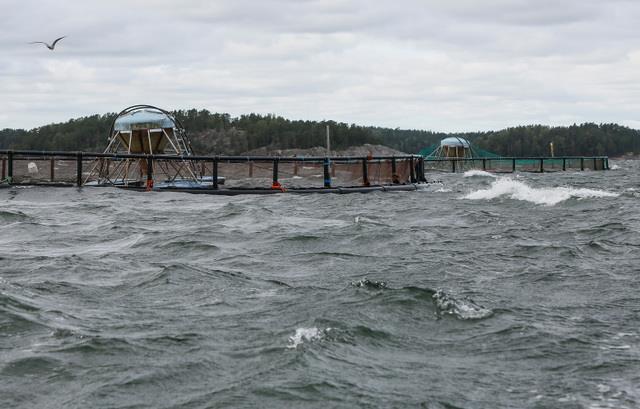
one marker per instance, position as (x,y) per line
(56,40)
(38,42)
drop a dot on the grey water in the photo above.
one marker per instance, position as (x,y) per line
(480,291)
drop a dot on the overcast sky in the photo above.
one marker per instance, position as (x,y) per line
(438,65)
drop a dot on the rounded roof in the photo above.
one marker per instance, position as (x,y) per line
(455,141)
(143,119)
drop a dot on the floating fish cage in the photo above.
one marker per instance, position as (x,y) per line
(149,149)
(517,164)
(213,174)
(455,154)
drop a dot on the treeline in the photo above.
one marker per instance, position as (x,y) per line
(216,133)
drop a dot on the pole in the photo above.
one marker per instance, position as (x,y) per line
(541,165)
(4,163)
(453,166)
(412,170)
(394,172)
(214,173)
(327,174)
(513,165)
(564,164)
(10,167)
(52,169)
(582,163)
(79,169)
(275,172)
(365,172)
(328,142)
(149,173)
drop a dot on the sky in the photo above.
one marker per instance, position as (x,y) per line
(457,65)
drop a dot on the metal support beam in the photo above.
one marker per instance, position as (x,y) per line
(412,170)
(365,172)
(214,173)
(10,167)
(79,169)
(275,171)
(327,174)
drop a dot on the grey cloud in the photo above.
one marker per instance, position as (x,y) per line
(411,63)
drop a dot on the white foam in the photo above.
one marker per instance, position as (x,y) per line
(303,335)
(546,196)
(476,172)
(464,309)
(614,167)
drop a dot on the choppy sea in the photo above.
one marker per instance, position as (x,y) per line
(480,291)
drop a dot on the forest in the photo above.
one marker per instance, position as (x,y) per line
(219,133)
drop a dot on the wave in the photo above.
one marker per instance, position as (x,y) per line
(478,173)
(517,190)
(465,308)
(303,335)
(445,303)
(370,285)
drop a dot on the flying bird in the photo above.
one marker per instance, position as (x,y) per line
(50,47)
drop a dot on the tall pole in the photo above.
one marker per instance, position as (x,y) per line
(328,143)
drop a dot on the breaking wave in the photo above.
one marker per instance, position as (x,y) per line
(550,196)
(303,335)
(463,308)
(480,173)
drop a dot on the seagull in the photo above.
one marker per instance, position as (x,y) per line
(50,47)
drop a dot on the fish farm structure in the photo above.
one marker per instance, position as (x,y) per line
(148,149)
(455,154)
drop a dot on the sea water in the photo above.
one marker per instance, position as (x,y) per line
(481,291)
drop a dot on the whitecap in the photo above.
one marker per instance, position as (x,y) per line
(545,196)
(303,335)
(465,309)
(476,172)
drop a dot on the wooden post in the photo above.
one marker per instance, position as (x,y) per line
(79,169)
(421,173)
(564,163)
(582,163)
(484,164)
(250,169)
(295,168)
(541,165)
(365,172)
(214,173)
(327,174)
(4,174)
(453,166)
(595,167)
(513,165)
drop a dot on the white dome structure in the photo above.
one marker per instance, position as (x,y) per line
(146,130)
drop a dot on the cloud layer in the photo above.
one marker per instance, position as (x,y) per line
(427,64)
